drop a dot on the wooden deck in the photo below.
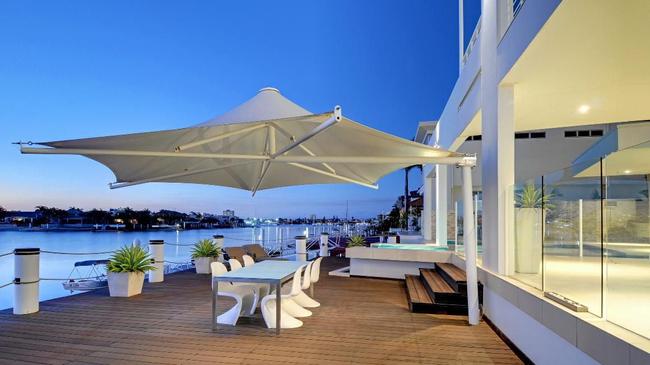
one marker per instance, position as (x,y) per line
(361,321)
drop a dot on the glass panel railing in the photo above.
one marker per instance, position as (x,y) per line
(627,238)
(572,252)
(528,231)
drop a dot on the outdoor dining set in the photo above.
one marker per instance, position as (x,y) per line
(275,286)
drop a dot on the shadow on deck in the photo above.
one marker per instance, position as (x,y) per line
(360,321)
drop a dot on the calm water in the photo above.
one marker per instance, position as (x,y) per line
(60,266)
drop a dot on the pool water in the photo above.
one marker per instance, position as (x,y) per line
(409,246)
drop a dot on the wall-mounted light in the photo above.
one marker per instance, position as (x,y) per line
(584,109)
(627,172)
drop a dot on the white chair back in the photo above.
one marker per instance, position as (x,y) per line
(218,268)
(295,285)
(315,270)
(234,264)
(306,278)
(248,261)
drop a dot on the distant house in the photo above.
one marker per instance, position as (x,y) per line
(21,217)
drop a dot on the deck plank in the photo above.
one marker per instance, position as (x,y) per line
(360,321)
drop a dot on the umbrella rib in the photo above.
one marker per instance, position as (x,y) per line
(217,138)
(342,178)
(269,148)
(118,185)
(302,147)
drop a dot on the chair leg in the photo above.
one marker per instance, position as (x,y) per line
(268,307)
(294,309)
(231,316)
(305,301)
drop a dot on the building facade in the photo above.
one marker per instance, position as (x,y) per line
(564,254)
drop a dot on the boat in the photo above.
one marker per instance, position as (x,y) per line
(94,278)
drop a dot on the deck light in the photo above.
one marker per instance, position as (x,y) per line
(627,172)
(584,109)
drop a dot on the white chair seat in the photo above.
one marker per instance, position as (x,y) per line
(244,296)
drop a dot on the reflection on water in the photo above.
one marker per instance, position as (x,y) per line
(60,266)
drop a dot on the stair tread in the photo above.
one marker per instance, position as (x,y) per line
(416,291)
(436,282)
(454,272)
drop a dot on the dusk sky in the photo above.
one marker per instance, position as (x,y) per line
(81,69)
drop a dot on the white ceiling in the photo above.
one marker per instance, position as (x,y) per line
(590,52)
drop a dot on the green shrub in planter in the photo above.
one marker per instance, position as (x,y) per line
(126,271)
(357,241)
(204,253)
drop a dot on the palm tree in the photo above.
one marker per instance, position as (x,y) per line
(407,198)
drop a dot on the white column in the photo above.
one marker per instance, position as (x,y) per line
(157,252)
(497,147)
(427,206)
(580,235)
(301,248)
(461,36)
(217,239)
(27,276)
(324,244)
(441,204)
(470,247)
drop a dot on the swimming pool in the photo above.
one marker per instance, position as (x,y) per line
(407,246)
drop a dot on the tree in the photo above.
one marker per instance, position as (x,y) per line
(50,215)
(3,212)
(407,197)
(98,216)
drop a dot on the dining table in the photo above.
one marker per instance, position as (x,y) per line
(272,272)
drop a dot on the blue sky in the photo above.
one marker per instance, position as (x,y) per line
(78,69)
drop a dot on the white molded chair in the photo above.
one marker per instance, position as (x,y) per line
(269,303)
(248,261)
(244,296)
(301,298)
(260,289)
(315,275)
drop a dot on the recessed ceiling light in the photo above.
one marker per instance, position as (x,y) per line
(627,172)
(584,109)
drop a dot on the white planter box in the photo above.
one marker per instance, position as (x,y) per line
(202,264)
(125,284)
(529,240)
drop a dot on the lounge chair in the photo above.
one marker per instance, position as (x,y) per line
(244,296)
(236,253)
(257,252)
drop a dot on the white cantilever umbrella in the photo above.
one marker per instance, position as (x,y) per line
(266,142)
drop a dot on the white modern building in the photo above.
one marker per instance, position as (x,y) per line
(543,87)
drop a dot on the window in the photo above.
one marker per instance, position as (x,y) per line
(427,138)
(474,138)
(522,135)
(584,133)
(538,135)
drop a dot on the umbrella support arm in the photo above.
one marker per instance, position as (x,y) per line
(302,146)
(335,118)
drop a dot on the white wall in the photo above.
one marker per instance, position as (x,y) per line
(539,343)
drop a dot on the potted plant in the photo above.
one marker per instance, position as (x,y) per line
(204,253)
(356,241)
(531,205)
(126,271)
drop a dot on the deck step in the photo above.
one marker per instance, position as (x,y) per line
(456,278)
(439,289)
(453,275)
(420,301)
(416,294)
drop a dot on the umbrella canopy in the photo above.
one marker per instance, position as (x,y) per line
(264,143)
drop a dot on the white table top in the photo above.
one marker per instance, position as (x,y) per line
(265,270)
